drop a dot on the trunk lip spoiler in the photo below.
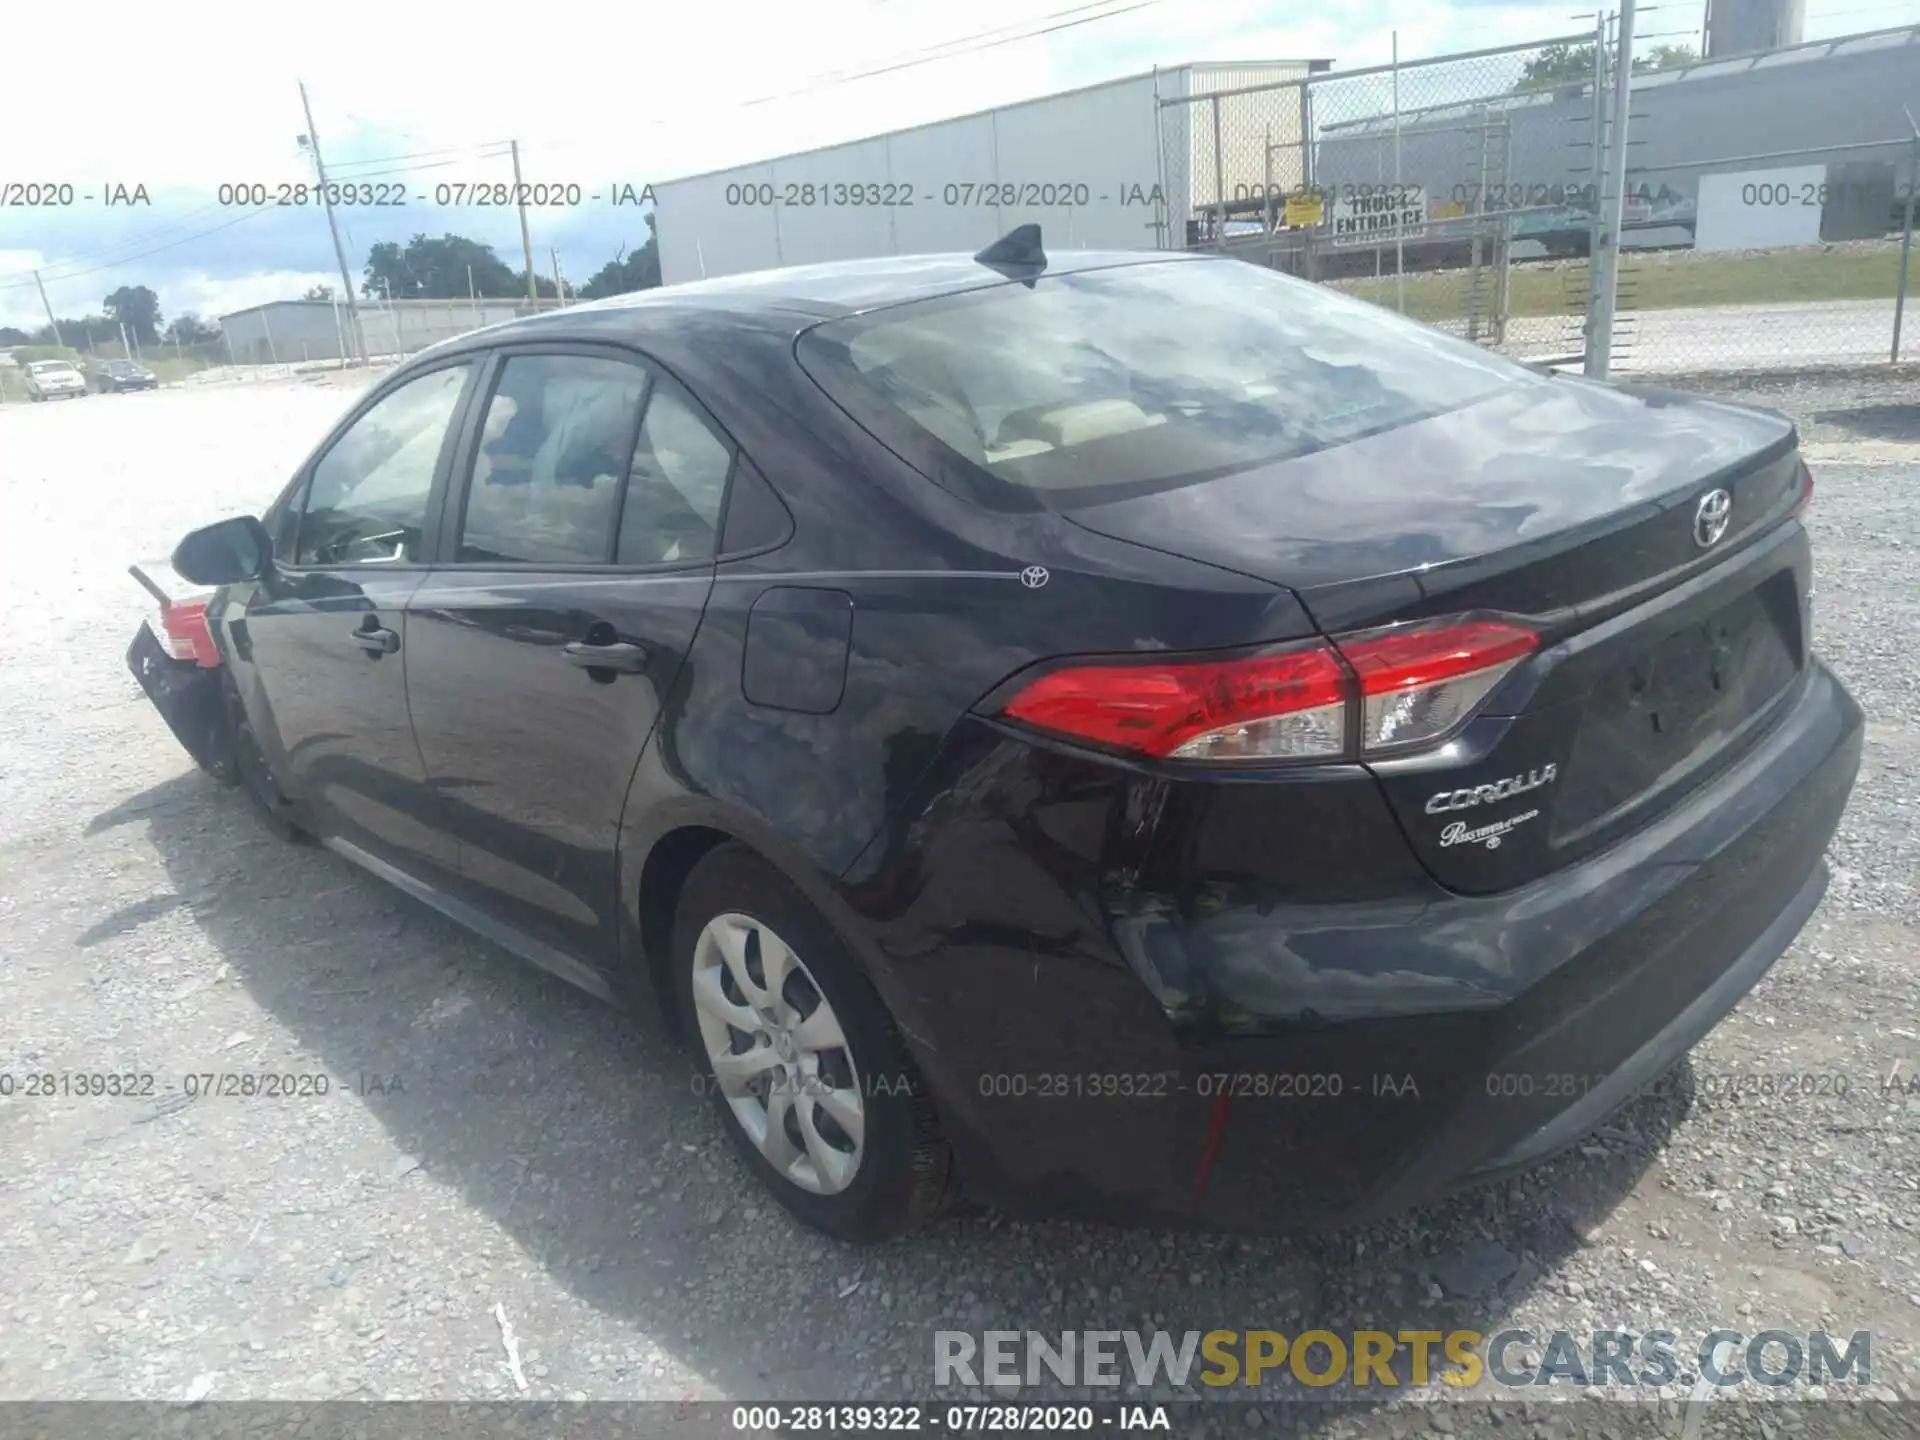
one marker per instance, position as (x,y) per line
(153,576)
(147,584)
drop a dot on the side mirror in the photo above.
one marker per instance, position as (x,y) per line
(225,552)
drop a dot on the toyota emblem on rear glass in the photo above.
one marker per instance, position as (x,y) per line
(1034,576)
(1710,518)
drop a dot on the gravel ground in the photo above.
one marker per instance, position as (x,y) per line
(492,1139)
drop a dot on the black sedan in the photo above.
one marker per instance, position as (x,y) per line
(117,375)
(1126,733)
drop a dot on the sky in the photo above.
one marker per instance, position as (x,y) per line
(187,98)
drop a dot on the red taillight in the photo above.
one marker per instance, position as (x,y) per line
(1287,704)
(1806,488)
(186,635)
(1421,682)
(1393,689)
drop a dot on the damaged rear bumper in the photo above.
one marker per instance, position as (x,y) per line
(191,699)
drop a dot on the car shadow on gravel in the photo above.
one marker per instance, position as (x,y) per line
(582,1136)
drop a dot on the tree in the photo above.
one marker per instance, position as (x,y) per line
(638,270)
(190,329)
(11,336)
(1665,57)
(80,332)
(137,308)
(319,292)
(1559,65)
(430,269)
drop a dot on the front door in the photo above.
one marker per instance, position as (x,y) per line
(324,636)
(576,562)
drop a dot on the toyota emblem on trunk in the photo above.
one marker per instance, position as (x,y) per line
(1034,576)
(1710,518)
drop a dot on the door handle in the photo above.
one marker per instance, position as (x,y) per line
(621,656)
(379,641)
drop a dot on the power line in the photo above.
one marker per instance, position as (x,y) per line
(9,283)
(943,50)
(498,147)
(949,49)
(169,227)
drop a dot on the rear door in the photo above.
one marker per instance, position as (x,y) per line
(577,554)
(322,643)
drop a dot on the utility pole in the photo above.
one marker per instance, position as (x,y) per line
(339,251)
(559,286)
(50,320)
(1614,199)
(526,240)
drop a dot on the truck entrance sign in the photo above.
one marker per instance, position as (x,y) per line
(1386,214)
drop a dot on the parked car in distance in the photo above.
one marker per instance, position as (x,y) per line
(117,375)
(1130,733)
(54,380)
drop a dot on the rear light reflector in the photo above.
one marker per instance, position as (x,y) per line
(1421,683)
(185,634)
(1393,689)
(1806,488)
(1284,705)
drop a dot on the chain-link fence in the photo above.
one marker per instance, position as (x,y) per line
(1420,186)
(1763,223)
(1767,206)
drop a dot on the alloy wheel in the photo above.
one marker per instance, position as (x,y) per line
(779,1054)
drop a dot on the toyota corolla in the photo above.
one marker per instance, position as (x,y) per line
(1134,734)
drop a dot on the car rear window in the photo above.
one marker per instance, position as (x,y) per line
(1087,385)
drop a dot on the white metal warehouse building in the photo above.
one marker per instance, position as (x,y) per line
(1089,165)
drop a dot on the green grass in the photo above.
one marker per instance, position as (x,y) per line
(1663,281)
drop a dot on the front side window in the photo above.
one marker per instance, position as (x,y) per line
(554,447)
(1094,384)
(367,496)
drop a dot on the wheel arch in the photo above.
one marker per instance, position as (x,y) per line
(659,848)
(662,876)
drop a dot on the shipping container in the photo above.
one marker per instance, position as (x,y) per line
(1833,109)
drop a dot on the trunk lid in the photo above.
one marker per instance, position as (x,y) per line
(1544,496)
(1574,506)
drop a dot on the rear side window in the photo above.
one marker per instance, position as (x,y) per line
(677,485)
(1092,385)
(554,445)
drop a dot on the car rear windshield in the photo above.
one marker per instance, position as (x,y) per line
(1088,385)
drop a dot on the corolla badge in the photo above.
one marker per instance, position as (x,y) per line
(1710,518)
(1506,789)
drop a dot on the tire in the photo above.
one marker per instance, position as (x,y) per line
(899,1174)
(256,775)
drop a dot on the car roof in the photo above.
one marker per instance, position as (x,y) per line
(799,296)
